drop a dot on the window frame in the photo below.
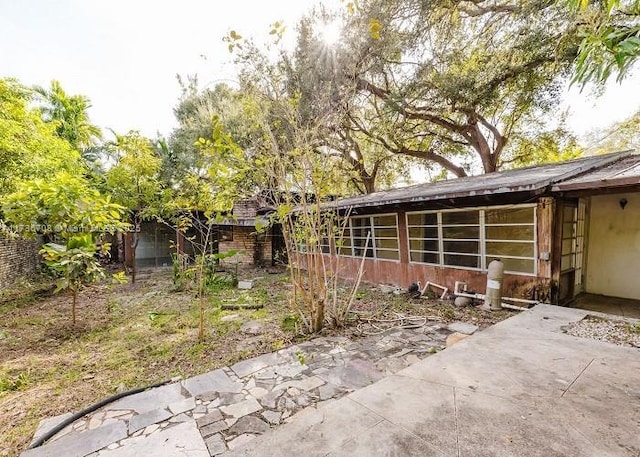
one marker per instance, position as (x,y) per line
(482,238)
(373,246)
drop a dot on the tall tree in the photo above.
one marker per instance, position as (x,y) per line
(69,114)
(450,82)
(29,147)
(618,136)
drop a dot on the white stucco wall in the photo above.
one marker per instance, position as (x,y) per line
(613,263)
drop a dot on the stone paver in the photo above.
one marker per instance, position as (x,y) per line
(463,327)
(149,400)
(49,423)
(214,381)
(243,408)
(249,424)
(216,444)
(522,387)
(182,406)
(250,366)
(229,407)
(81,444)
(143,420)
(182,440)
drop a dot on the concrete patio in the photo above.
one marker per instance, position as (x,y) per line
(520,388)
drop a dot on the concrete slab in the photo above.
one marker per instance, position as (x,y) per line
(355,374)
(313,432)
(424,409)
(182,440)
(521,387)
(213,381)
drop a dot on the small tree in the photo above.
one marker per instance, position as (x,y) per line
(65,209)
(134,183)
(75,263)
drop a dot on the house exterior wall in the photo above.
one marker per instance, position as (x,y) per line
(19,258)
(253,248)
(403,272)
(613,260)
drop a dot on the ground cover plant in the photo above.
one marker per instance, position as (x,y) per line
(132,335)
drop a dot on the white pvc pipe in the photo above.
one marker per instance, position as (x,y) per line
(456,291)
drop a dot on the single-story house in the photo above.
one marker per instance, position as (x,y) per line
(158,242)
(561,229)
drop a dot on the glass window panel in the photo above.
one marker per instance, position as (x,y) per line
(470,232)
(358,252)
(566,262)
(387,244)
(510,249)
(423,232)
(461,217)
(386,233)
(425,257)
(569,213)
(387,255)
(422,219)
(568,230)
(509,216)
(519,265)
(423,245)
(462,260)
(466,247)
(567,246)
(523,232)
(388,221)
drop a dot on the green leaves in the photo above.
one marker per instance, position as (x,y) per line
(29,147)
(610,44)
(62,205)
(375,27)
(75,263)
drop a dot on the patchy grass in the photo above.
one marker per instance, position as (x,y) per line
(135,335)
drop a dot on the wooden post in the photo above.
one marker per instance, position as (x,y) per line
(545,236)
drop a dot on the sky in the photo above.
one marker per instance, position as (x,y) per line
(124,55)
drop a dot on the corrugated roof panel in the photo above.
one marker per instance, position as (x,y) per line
(521,179)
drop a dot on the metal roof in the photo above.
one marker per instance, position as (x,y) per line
(529,179)
(624,172)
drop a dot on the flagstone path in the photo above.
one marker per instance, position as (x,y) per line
(222,409)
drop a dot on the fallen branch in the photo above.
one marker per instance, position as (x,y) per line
(241,306)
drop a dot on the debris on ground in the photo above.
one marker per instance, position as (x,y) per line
(617,332)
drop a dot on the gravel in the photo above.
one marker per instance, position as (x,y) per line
(616,332)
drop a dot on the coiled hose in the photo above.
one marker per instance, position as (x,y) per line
(70,420)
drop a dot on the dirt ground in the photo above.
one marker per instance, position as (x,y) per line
(133,335)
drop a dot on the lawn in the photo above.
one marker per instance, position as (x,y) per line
(130,336)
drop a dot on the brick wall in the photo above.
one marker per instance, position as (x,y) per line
(253,249)
(245,209)
(18,259)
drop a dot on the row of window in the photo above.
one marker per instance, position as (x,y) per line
(468,238)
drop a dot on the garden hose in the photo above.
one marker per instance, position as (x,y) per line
(70,420)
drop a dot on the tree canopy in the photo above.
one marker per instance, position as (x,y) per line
(29,147)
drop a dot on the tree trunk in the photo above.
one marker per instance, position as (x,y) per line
(73,306)
(134,244)
(318,317)
(201,295)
